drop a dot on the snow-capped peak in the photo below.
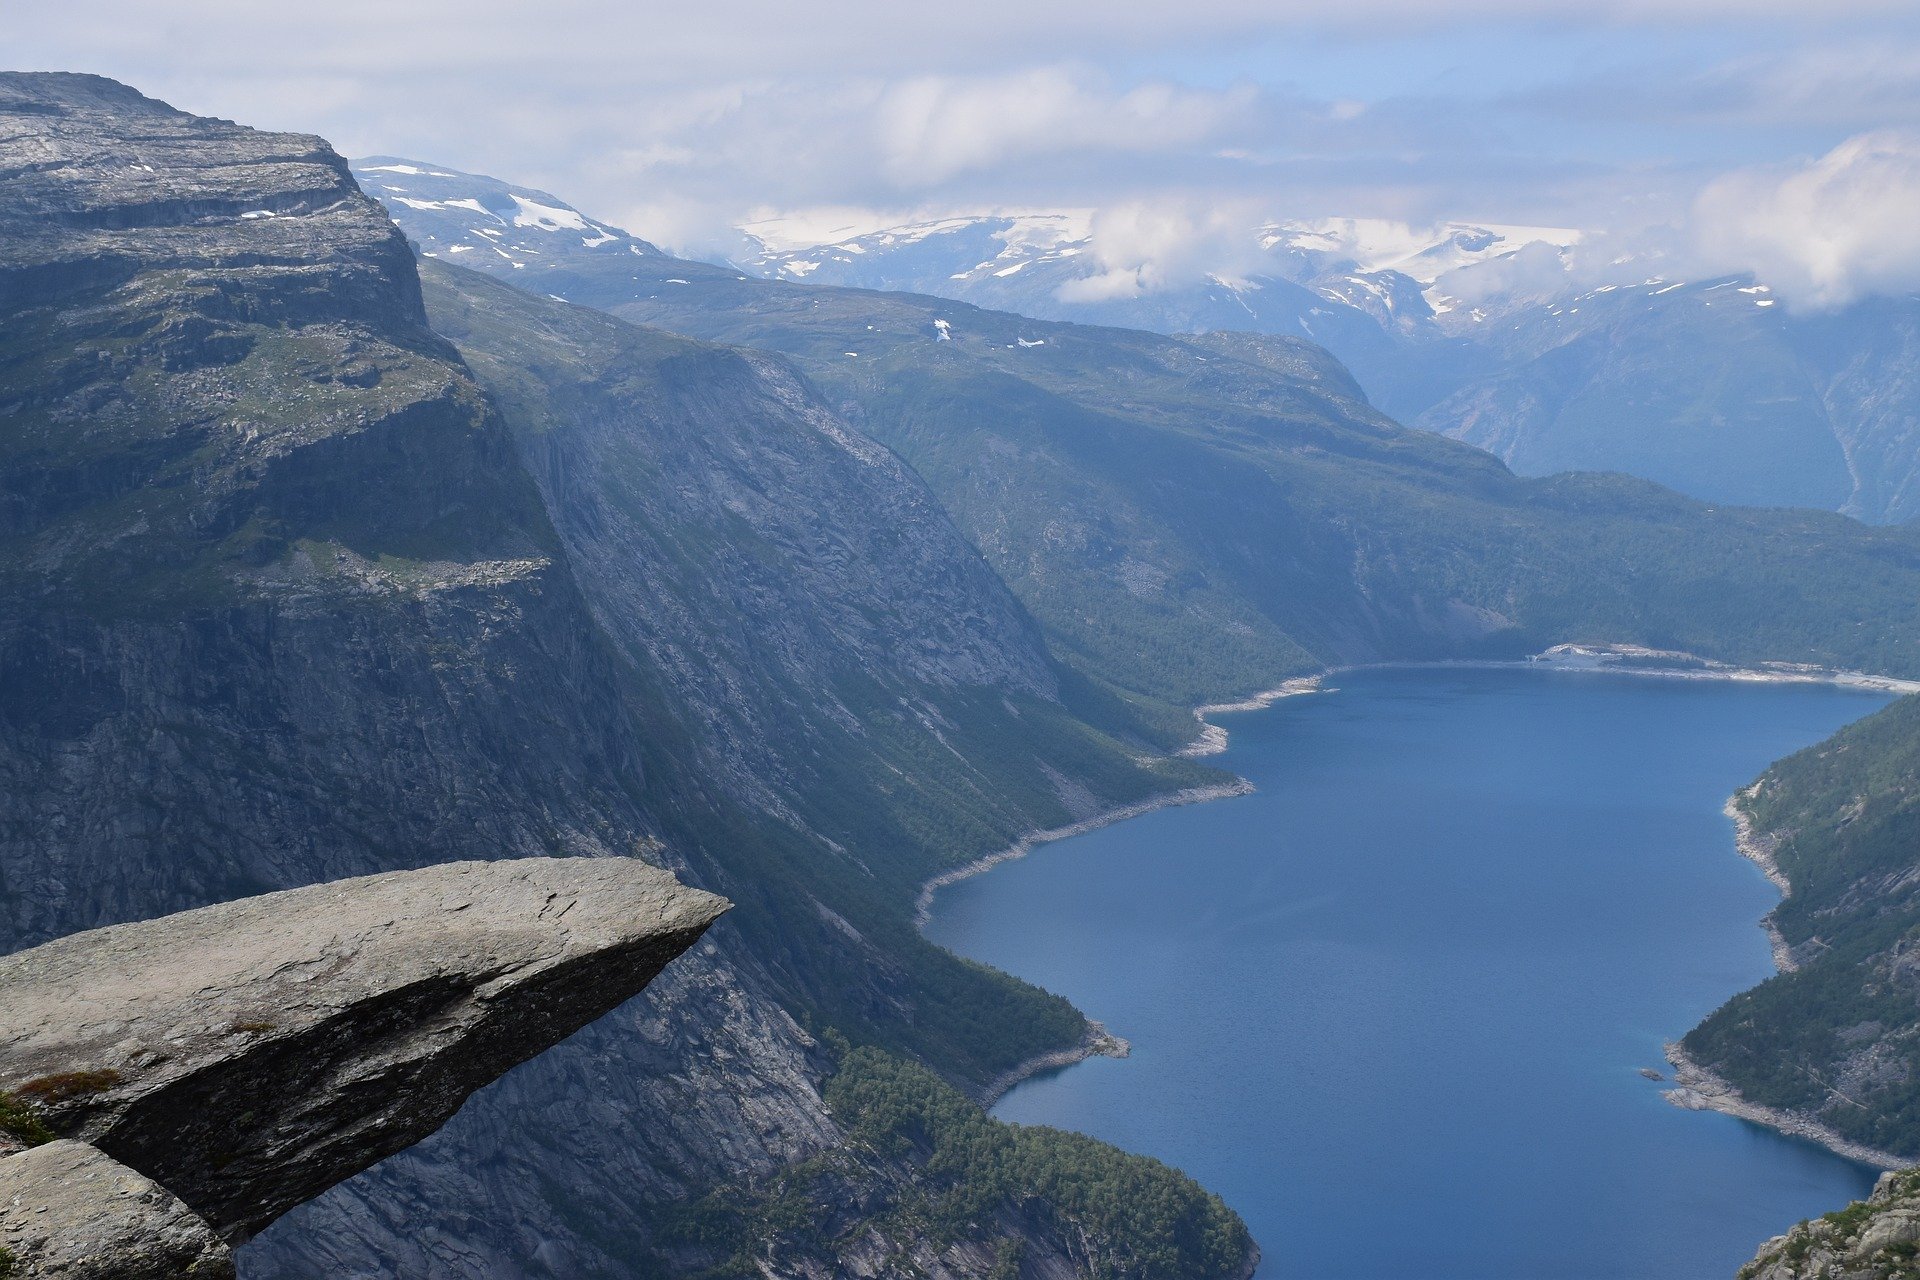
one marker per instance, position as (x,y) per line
(1016,257)
(451,213)
(1422,254)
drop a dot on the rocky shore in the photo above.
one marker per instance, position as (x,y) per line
(1758,850)
(1697,1089)
(1213,739)
(1098,1042)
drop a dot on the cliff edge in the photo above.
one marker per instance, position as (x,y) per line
(204,1072)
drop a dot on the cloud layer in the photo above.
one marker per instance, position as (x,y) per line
(1722,116)
(1824,233)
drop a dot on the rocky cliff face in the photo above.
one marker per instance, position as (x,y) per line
(244,1057)
(1872,1239)
(252,504)
(680,472)
(285,596)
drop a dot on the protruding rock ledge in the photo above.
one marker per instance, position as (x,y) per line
(250,1055)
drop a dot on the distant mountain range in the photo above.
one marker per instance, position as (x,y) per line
(1378,543)
(1715,387)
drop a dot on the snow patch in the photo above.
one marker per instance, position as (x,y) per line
(547,218)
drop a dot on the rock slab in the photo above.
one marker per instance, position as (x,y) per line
(68,1210)
(248,1056)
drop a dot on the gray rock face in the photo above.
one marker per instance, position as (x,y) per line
(678,471)
(252,1054)
(280,603)
(91,206)
(70,1212)
(1873,1239)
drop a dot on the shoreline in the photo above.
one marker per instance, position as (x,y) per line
(1621,660)
(1697,1089)
(1212,739)
(1096,1042)
(923,905)
(1759,852)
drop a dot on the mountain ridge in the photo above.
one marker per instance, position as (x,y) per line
(286,601)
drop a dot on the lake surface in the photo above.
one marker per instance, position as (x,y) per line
(1392,1006)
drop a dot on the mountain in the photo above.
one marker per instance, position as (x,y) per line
(494,220)
(1715,387)
(1191,519)
(1370,291)
(1718,388)
(296,588)
(1835,1039)
(1049,265)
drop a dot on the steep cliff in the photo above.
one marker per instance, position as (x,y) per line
(288,597)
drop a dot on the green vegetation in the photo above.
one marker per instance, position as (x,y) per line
(162,452)
(1840,1037)
(1190,520)
(8,1263)
(22,1122)
(972,1180)
(1139,1217)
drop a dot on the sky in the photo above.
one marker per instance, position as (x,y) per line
(1744,134)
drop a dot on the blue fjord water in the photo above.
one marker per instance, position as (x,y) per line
(1392,1005)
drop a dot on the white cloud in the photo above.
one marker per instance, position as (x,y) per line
(933,128)
(1146,246)
(1823,233)
(677,121)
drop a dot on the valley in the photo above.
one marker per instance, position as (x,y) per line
(360,519)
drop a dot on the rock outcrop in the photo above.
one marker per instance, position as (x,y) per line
(1873,1239)
(247,1056)
(72,1211)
